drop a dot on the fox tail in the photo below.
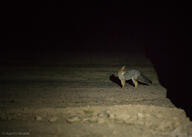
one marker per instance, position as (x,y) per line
(142,78)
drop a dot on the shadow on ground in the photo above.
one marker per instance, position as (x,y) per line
(115,79)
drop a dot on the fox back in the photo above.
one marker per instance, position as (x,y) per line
(125,74)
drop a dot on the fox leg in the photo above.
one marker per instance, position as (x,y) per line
(135,82)
(122,83)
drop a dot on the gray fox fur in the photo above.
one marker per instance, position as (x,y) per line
(132,74)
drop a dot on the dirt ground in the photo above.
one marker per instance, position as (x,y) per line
(79,96)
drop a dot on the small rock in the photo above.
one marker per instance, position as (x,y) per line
(53,119)
(73,119)
(100,115)
(104,114)
(38,118)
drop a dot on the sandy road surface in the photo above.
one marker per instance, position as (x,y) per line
(79,96)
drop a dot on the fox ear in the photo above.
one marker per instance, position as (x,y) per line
(123,67)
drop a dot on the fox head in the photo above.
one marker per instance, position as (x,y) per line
(121,72)
(122,69)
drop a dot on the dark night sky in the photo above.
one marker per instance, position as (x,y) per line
(77,28)
(85,28)
(94,28)
(160,31)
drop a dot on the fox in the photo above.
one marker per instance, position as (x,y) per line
(132,74)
